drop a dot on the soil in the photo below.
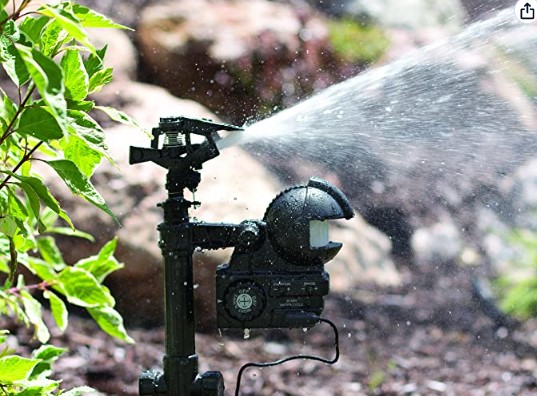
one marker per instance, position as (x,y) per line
(426,337)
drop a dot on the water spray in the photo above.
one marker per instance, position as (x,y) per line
(275,277)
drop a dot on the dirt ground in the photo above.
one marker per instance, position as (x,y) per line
(426,337)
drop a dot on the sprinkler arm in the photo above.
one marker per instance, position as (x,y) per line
(212,236)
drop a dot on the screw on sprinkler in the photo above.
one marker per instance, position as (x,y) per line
(275,277)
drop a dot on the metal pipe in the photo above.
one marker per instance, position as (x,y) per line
(180,361)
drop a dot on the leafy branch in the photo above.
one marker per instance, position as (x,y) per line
(47,54)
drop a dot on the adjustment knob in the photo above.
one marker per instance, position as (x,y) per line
(249,234)
(245,300)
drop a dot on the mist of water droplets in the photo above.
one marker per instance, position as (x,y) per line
(455,101)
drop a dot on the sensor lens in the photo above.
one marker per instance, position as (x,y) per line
(318,233)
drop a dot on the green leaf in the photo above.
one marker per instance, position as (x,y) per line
(70,232)
(88,129)
(49,217)
(25,240)
(12,62)
(40,267)
(48,354)
(79,184)
(111,322)
(38,387)
(95,61)
(119,116)
(8,226)
(32,28)
(44,194)
(15,368)
(3,335)
(58,308)
(50,252)
(16,207)
(34,310)
(8,109)
(39,123)
(70,23)
(82,289)
(79,391)
(52,38)
(83,105)
(76,77)
(11,30)
(103,264)
(92,19)
(33,200)
(108,249)
(100,268)
(99,79)
(48,78)
(81,154)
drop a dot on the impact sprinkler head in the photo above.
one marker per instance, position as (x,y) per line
(172,142)
(172,147)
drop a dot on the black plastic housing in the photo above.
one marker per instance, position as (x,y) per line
(280,281)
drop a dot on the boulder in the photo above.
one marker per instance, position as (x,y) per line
(478,9)
(239,58)
(408,14)
(508,229)
(439,244)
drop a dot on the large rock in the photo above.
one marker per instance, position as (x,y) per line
(239,58)
(508,229)
(408,14)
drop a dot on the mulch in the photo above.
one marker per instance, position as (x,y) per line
(425,337)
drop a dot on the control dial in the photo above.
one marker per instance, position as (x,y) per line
(245,300)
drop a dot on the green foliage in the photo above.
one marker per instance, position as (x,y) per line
(49,58)
(518,294)
(357,42)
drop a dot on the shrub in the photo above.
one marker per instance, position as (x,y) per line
(47,54)
(357,42)
(518,289)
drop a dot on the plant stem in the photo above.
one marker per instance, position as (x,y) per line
(40,286)
(9,128)
(13,262)
(22,161)
(16,14)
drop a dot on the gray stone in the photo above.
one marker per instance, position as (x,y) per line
(408,14)
(440,243)
(238,58)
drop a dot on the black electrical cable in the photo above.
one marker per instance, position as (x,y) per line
(281,361)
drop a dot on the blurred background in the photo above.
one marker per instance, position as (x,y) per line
(435,290)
